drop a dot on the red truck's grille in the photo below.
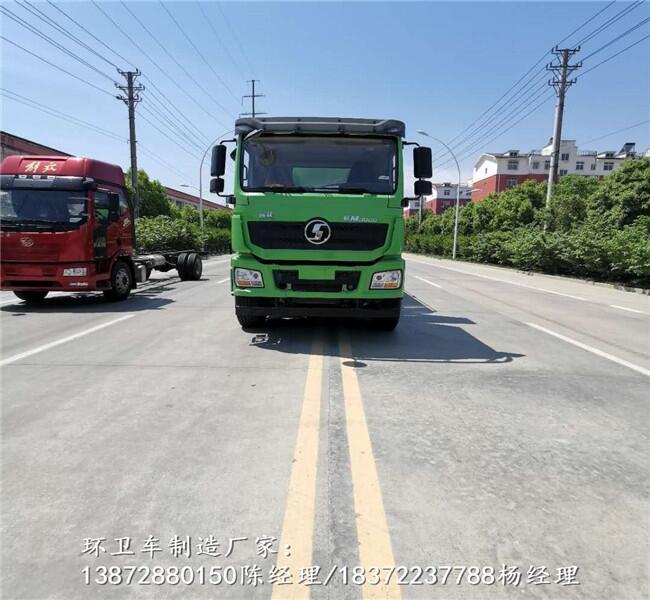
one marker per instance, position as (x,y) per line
(36,253)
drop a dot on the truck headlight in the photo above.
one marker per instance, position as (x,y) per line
(248,278)
(386,280)
(75,272)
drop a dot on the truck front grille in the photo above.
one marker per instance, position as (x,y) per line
(290,235)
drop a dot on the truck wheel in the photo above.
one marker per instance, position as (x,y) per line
(193,266)
(181,263)
(248,321)
(121,282)
(31,297)
(385,323)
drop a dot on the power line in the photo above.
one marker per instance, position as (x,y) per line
(172,57)
(90,33)
(37,12)
(236,37)
(607,24)
(170,125)
(493,111)
(51,41)
(589,20)
(103,91)
(602,137)
(179,113)
(86,125)
(602,62)
(159,105)
(516,109)
(224,46)
(153,62)
(166,135)
(535,80)
(471,148)
(55,113)
(200,54)
(470,152)
(618,37)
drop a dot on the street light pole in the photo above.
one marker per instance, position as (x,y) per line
(457,217)
(201,182)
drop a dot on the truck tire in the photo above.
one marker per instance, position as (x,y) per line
(193,266)
(31,297)
(121,282)
(385,323)
(181,262)
(248,321)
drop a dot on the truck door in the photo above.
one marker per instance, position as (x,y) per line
(104,235)
(126,225)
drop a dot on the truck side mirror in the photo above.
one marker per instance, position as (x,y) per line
(422,168)
(216,185)
(218,163)
(113,206)
(423,187)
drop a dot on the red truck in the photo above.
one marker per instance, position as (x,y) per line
(66,225)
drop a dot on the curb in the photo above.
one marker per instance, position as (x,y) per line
(616,286)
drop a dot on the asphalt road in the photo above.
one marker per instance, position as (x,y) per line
(502,426)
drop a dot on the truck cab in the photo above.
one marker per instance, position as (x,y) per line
(66,224)
(317,224)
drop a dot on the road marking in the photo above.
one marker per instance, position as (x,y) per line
(429,282)
(593,350)
(298,527)
(530,287)
(224,280)
(628,309)
(372,528)
(64,340)
(16,301)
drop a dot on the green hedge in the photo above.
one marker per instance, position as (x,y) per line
(597,229)
(166,233)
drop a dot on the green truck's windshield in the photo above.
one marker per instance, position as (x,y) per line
(331,164)
(53,207)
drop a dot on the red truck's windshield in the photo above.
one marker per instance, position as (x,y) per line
(45,208)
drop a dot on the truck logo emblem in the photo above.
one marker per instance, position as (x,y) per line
(27,242)
(317,232)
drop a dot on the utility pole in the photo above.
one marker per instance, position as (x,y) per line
(131,99)
(561,83)
(252,96)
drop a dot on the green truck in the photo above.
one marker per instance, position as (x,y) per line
(317,223)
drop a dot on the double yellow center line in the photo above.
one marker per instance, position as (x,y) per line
(372,528)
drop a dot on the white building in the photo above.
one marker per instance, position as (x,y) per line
(495,172)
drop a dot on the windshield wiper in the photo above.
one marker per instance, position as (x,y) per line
(41,222)
(348,190)
(287,189)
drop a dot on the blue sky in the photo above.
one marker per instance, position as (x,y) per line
(435,65)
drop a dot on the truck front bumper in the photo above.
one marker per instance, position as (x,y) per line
(321,290)
(43,277)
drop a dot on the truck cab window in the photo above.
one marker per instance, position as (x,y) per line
(124,205)
(101,208)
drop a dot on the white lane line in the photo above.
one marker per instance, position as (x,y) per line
(224,280)
(64,340)
(16,301)
(628,309)
(593,350)
(429,282)
(530,287)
